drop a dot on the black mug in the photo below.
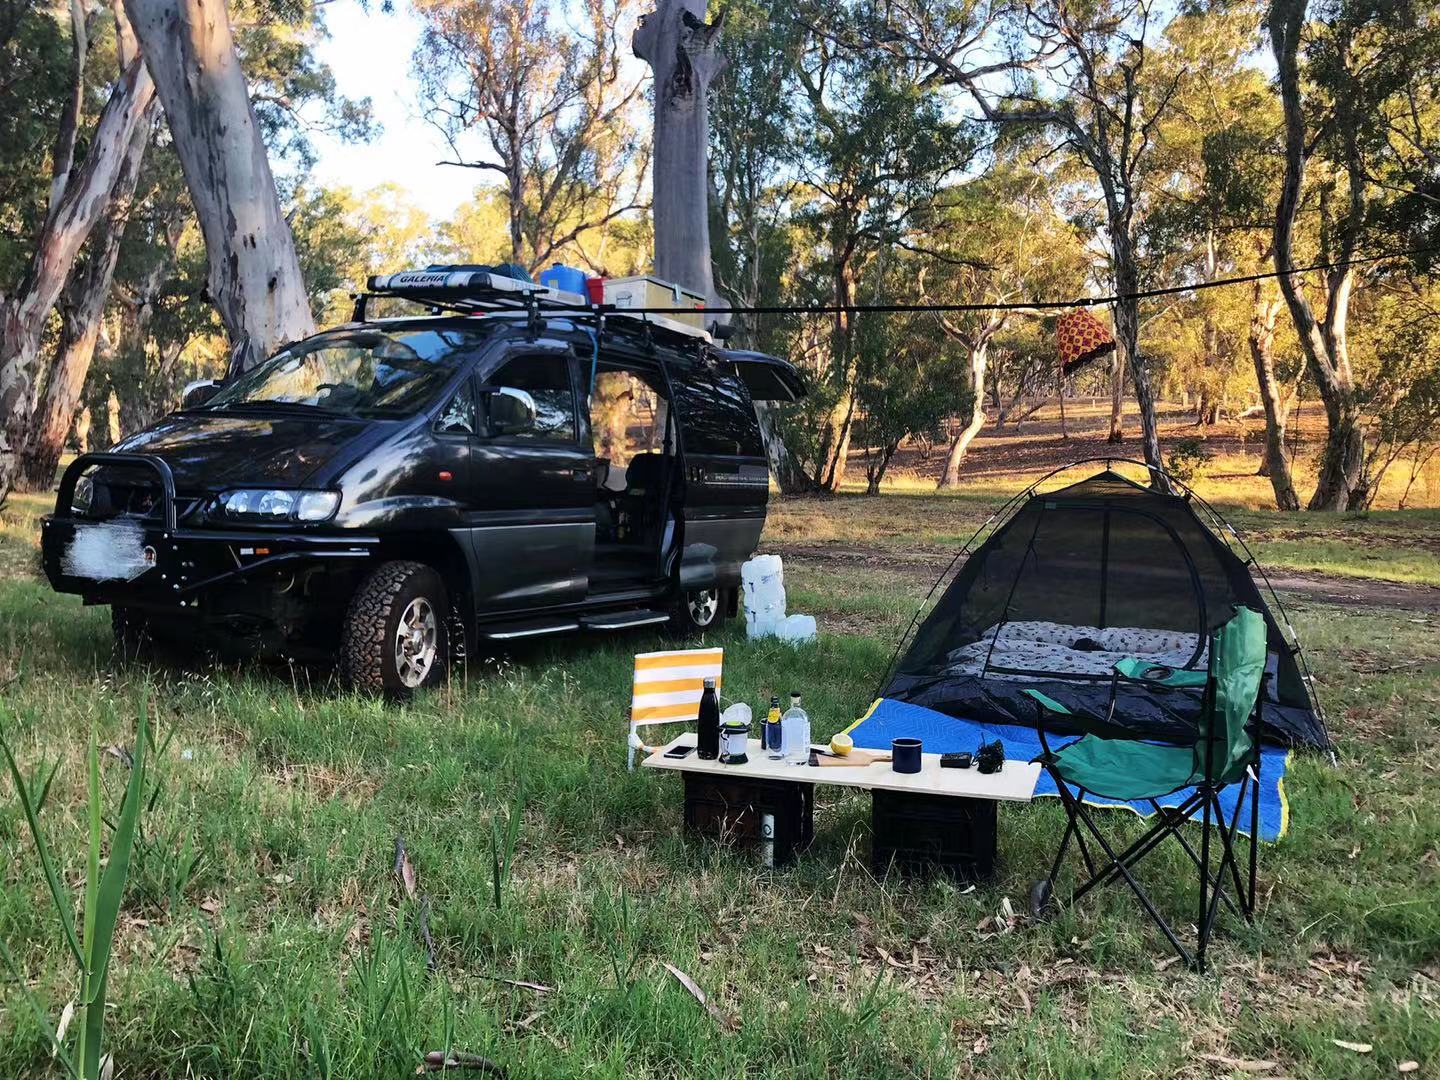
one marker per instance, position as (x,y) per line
(905,755)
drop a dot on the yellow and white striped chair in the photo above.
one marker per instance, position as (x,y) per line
(667,690)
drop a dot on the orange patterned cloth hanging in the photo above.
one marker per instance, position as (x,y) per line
(1080,338)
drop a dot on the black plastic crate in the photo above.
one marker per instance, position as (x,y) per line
(730,809)
(925,833)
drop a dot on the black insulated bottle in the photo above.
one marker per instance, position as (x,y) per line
(708,738)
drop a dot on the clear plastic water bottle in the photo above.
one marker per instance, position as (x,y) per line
(795,733)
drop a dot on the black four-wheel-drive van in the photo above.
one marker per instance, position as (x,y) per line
(507,465)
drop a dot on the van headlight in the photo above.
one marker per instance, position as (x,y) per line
(83,495)
(279,505)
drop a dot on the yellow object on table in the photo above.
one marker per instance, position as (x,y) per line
(841,744)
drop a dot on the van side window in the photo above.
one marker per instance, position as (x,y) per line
(627,417)
(545,380)
(458,416)
(717,416)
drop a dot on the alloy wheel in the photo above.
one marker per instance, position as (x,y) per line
(416,642)
(703,605)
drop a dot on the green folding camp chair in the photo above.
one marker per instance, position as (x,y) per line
(1226,751)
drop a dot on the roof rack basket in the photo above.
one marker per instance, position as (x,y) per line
(473,292)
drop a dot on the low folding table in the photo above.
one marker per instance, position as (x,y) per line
(936,819)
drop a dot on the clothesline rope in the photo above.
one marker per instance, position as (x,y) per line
(1019,305)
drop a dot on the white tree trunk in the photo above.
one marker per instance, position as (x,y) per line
(1274,462)
(683,53)
(1117,395)
(960,445)
(788,474)
(1343,483)
(87,194)
(81,307)
(254,277)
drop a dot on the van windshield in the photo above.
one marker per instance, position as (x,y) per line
(353,373)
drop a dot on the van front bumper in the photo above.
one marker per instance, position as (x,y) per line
(150,560)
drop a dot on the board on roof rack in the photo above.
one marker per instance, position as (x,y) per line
(477,291)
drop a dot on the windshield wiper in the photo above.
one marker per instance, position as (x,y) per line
(281,406)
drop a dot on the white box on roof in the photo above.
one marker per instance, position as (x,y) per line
(648,292)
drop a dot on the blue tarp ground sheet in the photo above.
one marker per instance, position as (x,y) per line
(941,734)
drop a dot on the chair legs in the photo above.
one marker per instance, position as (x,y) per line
(1222,882)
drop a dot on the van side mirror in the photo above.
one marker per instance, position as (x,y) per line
(512,411)
(200,391)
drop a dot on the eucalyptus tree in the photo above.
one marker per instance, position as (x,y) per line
(82,301)
(1097,79)
(875,153)
(683,52)
(1214,217)
(753,110)
(537,95)
(254,274)
(998,240)
(907,382)
(81,306)
(156,310)
(79,195)
(1362,141)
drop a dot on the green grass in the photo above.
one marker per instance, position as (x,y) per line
(264,933)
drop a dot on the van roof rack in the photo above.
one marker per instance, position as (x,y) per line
(474,292)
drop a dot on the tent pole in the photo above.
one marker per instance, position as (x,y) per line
(1005,611)
(1104,567)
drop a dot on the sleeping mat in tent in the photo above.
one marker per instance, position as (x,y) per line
(942,734)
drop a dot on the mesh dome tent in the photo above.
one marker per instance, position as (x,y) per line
(1074,580)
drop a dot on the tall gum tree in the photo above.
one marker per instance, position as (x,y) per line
(876,157)
(82,305)
(82,302)
(82,202)
(1216,219)
(1275,461)
(997,241)
(535,95)
(1358,89)
(1106,85)
(254,274)
(752,118)
(683,52)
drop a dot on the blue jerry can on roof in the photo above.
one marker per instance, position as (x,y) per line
(564,278)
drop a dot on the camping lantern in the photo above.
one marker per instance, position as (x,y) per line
(734,741)
(1080,338)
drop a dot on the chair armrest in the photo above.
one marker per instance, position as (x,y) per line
(1044,703)
(1132,669)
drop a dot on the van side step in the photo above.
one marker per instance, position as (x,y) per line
(624,620)
(515,631)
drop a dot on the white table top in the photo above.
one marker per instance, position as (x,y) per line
(1015,782)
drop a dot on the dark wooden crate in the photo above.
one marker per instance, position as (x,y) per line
(730,808)
(924,833)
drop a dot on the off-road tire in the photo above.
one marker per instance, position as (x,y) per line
(686,622)
(367,639)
